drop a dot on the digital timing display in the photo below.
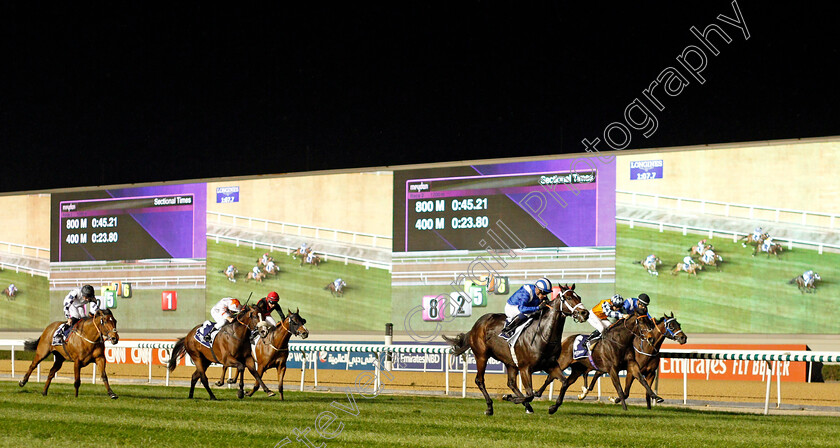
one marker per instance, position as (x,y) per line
(455,213)
(127,228)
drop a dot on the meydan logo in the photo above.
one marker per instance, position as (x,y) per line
(422,186)
(645,165)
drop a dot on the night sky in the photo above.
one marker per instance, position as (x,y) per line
(122,94)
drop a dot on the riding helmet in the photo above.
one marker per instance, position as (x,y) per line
(543,285)
(643,298)
(87,291)
(272,297)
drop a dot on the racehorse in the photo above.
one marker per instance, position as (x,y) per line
(263,261)
(9,294)
(230,275)
(301,252)
(271,268)
(339,292)
(312,260)
(608,356)
(85,344)
(804,286)
(750,239)
(651,267)
(536,349)
(272,351)
(258,277)
(231,348)
(774,249)
(646,355)
(712,259)
(695,250)
(692,269)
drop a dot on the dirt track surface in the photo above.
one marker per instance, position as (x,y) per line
(716,395)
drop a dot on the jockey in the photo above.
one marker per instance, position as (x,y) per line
(310,256)
(636,306)
(302,249)
(267,305)
(338,283)
(74,308)
(256,271)
(701,246)
(651,259)
(708,256)
(810,277)
(266,258)
(270,266)
(757,233)
(599,315)
(223,311)
(688,262)
(230,272)
(12,290)
(767,244)
(524,302)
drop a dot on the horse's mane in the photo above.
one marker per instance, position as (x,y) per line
(106,311)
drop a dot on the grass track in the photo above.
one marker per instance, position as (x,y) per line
(749,294)
(365,306)
(31,306)
(148,416)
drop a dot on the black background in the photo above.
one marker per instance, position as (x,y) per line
(110,94)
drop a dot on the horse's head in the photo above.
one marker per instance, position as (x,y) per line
(249,316)
(571,304)
(296,324)
(673,330)
(643,327)
(107,325)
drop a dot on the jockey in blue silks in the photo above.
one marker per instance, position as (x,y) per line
(524,302)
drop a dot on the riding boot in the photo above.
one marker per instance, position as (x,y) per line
(510,327)
(58,339)
(596,335)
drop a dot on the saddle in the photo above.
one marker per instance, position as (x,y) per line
(201,335)
(580,347)
(63,332)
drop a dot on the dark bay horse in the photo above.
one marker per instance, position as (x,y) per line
(609,356)
(272,351)
(647,355)
(231,348)
(335,291)
(804,286)
(85,344)
(536,349)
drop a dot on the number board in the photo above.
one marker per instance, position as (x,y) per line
(169,300)
(459,304)
(108,298)
(477,294)
(433,308)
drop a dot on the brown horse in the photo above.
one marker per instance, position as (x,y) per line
(646,355)
(312,260)
(536,349)
(85,344)
(751,240)
(650,266)
(262,261)
(695,250)
(608,356)
(773,249)
(301,252)
(231,348)
(271,268)
(272,351)
(10,294)
(804,286)
(339,292)
(690,270)
(710,258)
(258,277)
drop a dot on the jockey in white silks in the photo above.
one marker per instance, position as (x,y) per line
(688,262)
(224,310)
(768,243)
(810,277)
(709,256)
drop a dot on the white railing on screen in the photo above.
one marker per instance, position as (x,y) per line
(25,250)
(736,210)
(521,256)
(582,275)
(25,269)
(323,233)
(289,249)
(771,357)
(724,233)
(182,281)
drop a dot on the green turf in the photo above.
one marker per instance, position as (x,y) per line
(748,295)
(365,306)
(149,416)
(30,308)
(407,298)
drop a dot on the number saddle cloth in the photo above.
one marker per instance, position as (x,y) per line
(516,333)
(201,333)
(62,332)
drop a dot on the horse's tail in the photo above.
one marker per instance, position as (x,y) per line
(637,262)
(178,351)
(793,280)
(31,345)
(460,343)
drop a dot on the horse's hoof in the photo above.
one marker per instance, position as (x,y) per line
(270,394)
(240,394)
(659,399)
(249,393)
(552,410)
(537,394)
(113,396)
(219,383)
(231,381)
(581,396)
(21,383)
(529,411)
(488,412)
(506,397)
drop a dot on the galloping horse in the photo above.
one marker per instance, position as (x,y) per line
(85,344)
(301,252)
(774,249)
(336,292)
(272,351)
(650,265)
(646,355)
(10,294)
(231,348)
(695,250)
(263,261)
(608,356)
(536,349)
(271,268)
(310,259)
(231,274)
(258,277)
(710,258)
(692,269)
(804,286)
(750,239)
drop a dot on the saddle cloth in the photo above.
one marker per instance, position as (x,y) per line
(580,348)
(64,331)
(512,341)
(205,327)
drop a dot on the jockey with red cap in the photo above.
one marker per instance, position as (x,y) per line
(267,305)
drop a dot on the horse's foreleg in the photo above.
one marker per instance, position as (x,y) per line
(551,376)
(77,374)
(201,369)
(59,360)
(481,365)
(518,397)
(250,365)
(100,364)
(281,373)
(634,370)
(617,384)
(577,370)
(527,384)
(221,381)
(588,387)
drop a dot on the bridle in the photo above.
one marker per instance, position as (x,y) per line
(669,333)
(564,302)
(99,331)
(288,329)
